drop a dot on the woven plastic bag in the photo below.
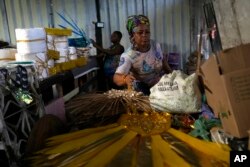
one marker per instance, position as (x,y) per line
(176,93)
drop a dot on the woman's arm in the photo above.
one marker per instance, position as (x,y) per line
(165,64)
(115,51)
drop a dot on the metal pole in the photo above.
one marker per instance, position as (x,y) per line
(98,30)
(7,22)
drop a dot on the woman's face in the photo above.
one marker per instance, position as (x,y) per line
(114,38)
(141,35)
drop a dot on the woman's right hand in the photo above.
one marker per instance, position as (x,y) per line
(123,80)
(128,80)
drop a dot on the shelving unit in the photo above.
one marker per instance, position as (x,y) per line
(70,83)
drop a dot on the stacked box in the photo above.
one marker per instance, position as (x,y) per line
(31,46)
(226,79)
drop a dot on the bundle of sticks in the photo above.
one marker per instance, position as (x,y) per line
(95,109)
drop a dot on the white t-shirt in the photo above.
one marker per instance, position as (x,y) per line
(145,67)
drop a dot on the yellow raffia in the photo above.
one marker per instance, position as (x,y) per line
(83,158)
(80,155)
(156,155)
(209,161)
(79,142)
(81,61)
(56,69)
(65,66)
(53,54)
(169,157)
(53,71)
(85,153)
(105,156)
(218,151)
(136,152)
(78,134)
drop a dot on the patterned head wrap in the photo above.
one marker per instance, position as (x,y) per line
(135,20)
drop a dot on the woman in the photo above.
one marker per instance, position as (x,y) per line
(111,57)
(143,64)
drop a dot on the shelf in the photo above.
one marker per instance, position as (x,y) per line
(68,82)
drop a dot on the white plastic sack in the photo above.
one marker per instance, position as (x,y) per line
(176,93)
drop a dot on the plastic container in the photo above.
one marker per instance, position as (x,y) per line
(77,42)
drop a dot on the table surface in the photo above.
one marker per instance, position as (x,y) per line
(90,66)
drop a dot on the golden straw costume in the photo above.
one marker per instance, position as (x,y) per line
(141,137)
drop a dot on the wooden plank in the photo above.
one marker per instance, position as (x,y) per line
(243,19)
(227,24)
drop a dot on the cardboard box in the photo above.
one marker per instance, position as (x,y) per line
(226,80)
(249,140)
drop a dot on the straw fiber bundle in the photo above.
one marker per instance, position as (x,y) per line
(96,109)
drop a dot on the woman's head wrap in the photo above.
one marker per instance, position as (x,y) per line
(134,21)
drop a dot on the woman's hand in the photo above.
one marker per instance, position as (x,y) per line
(123,79)
(128,80)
